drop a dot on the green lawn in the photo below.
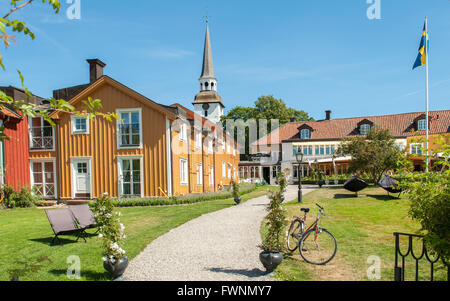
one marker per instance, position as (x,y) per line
(25,236)
(363,226)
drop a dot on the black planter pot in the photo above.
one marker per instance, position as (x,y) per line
(238,200)
(270,260)
(282,198)
(117,268)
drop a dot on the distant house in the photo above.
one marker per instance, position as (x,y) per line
(14,152)
(318,141)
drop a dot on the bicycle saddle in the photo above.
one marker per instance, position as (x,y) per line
(306,210)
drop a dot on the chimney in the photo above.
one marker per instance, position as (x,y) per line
(293,119)
(95,69)
(328,115)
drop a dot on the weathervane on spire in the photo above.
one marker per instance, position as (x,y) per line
(206,16)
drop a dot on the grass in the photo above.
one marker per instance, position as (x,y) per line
(25,236)
(363,226)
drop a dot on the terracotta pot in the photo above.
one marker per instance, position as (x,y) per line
(270,260)
(117,268)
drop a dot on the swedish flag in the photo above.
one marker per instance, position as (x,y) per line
(421,58)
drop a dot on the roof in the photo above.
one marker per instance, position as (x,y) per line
(207,68)
(108,80)
(5,111)
(399,125)
(208,97)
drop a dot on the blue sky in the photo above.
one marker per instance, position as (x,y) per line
(315,55)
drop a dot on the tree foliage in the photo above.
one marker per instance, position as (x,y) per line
(374,153)
(265,108)
(90,108)
(430,194)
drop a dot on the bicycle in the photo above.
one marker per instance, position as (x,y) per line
(318,249)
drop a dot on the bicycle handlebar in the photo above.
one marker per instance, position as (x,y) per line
(319,206)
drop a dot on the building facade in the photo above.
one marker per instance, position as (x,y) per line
(318,141)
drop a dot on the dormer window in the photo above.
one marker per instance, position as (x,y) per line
(364,129)
(305,134)
(421,125)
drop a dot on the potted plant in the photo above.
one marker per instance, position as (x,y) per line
(111,231)
(236,194)
(273,242)
(336,180)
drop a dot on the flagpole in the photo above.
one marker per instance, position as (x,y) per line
(426,90)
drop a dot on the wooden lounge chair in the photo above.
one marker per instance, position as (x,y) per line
(84,216)
(62,222)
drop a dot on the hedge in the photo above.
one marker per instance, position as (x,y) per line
(189,199)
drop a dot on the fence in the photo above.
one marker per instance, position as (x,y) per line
(399,271)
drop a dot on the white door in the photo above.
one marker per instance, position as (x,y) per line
(82,178)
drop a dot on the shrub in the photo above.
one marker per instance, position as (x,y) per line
(275,220)
(23,198)
(110,228)
(235,188)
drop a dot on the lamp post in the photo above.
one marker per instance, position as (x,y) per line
(299,157)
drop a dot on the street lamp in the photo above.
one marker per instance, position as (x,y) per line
(299,157)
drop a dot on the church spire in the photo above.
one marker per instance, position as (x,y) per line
(207,68)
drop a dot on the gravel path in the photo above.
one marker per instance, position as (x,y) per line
(219,246)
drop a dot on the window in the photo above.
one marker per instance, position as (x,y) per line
(223,145)
(80,125)
(295,171)
(305,134)
(183,132)
(41,134)
(211,176)
(199,174)
(422,125)
(364,129)
(198,140)
(229,171)
(44,178)
(416,149)
(130,128)
(210,147)
(228,148)
(224,171)
(130,176)
(234,150)
(275,171)
(322,150)
(183,172)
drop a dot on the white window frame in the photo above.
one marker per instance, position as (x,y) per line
(422,122)
(30,126)
(73,120)
(302,134)
(210,147)
(199,174)
(224,171)
(120,172)
(52,160)
(183,132)
(228,148)
(119,122)
(211,175)
(229,171)
(416,146)
(198,140)
(184,173)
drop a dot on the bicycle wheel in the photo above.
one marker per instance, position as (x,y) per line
(318,249)
(293,235)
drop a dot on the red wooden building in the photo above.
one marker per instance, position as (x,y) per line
(14,152)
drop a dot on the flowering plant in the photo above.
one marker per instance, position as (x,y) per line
(110,228)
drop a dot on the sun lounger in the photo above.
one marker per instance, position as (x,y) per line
(62,222)
(84,216)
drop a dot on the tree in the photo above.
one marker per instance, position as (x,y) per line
(429,194)
(265,108)
(374,153)
(90,108)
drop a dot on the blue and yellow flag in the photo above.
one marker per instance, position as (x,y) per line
(421,58)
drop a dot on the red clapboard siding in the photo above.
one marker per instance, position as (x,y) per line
(17,164)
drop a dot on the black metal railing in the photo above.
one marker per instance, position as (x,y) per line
(399,271)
